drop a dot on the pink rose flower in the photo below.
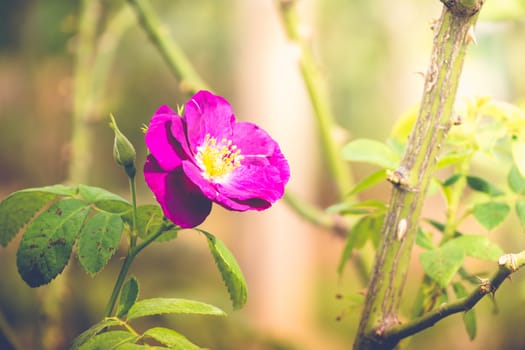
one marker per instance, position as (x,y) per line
(206,156)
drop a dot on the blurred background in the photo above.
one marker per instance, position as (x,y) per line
(370,53)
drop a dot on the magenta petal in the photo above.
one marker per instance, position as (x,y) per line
(246,183)
(258,148)
(166,150)
(181,201)
(210,190)
(207,113)
(253,140)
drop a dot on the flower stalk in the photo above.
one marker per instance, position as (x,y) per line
(132,253)
(451,38)
(318,94)
(180,65)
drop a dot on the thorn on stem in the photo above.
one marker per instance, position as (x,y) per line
(510,261)
(470,37)
(402,228)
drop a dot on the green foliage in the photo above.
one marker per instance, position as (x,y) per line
(170,338)
(103,199)
(486,130)
(17,209)
(424,239)
(159,306)
(516,181)
(370,151)
(442,263)
(481,185)
(520,211)
(150,220)
(108,340)
(477,246)
(99,240)
(48,240)
(106,335)
(93,331)
(469,317)
(368,182)
(366,229)
(491,214)
(128,296)
(52,218)
(230,271)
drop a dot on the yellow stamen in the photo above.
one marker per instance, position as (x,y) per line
(218,159)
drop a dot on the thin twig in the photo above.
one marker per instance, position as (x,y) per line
(180,65)
(508,264)
(318,94)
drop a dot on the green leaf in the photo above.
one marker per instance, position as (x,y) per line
(17,209)
(518,154)
(469,320)
(104,199)
(404,124)
(128,296)
(92,331)
(357,207)
(46,245)
(452,180)
(437,225)
(477,246)
(424,239)
(453,157)
(516,181)
(159,306)
(442,263)
(491,214)
(149,220)
(367,228)
(230,271)
(369,181)
(58,190)
(109,340)
(370,151)
(520,211)
(481,185)
(132,346)
(170,338)
(469,317)
(459,289)
(99,240)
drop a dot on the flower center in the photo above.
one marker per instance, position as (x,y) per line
(218,159)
